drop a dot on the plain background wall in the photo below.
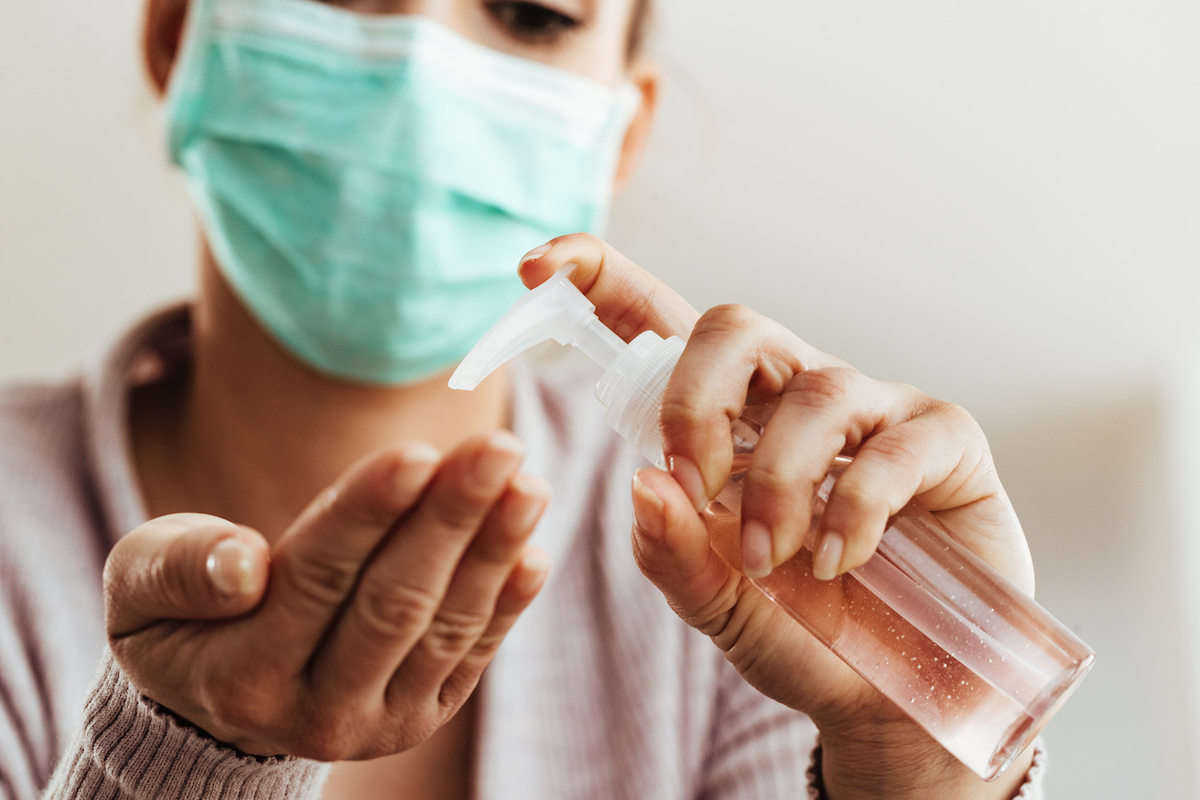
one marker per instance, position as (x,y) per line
(997,203)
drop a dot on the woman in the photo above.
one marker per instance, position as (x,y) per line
(311,548)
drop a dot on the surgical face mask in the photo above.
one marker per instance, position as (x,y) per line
(367,183)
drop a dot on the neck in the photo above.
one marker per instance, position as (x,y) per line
(254,435)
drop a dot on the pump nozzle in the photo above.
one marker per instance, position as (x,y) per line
(556,310)
(635,375)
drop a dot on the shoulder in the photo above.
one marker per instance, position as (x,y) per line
(42,439)
(47,500)
(50,529)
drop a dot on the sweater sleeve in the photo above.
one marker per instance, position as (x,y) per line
(130,747)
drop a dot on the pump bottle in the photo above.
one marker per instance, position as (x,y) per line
(939,632)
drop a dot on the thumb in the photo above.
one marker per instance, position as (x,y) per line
(183,566)
(674,549)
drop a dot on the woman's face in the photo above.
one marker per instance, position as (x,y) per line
(584,36)
(589,37)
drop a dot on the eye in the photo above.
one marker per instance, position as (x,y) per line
(531,22)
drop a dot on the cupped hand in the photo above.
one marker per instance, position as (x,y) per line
(366,626)
(905,445)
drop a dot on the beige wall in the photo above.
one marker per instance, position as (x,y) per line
(998,203)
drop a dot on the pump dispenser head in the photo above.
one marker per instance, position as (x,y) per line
(555,310)
(635,375)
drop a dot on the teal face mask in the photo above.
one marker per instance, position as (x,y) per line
(367,183)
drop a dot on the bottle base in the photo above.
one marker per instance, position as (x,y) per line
(1023,731)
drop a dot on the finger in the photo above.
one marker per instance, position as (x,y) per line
(941,458)
(820,414)
(628,299)
(318,559)
(734,356)
(183,566)
(524,582)
(404,586)
(470,603)
(677,552)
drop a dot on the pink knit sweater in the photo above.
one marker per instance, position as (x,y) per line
(600,691)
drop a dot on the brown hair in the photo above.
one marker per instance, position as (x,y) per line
(639,23)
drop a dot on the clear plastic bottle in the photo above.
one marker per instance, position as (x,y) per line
(938,631)
(972,659)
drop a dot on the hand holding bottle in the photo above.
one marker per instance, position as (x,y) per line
(905,445)
(361,631)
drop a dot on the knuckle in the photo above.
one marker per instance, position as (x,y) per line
(316,580)
(395,610)
(453,633)
(894,447)
(959,416)
(924,401)
(486,645)
(772,477)
(720,618)
(681,414)
(651,563)
(952,413)
(639,306)
(823,387)
(361,508)
(726,318)
(712,616)
(588,239)
(464,511)
(854,496)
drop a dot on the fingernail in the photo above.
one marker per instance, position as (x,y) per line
(649,524)
(230,567)
(530,485)
(497,457)
(687,475)
(417,454)
(535,565)
(535,489)
(828,556)
(420,453)
(506,442)
(756,549)
(536,252)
